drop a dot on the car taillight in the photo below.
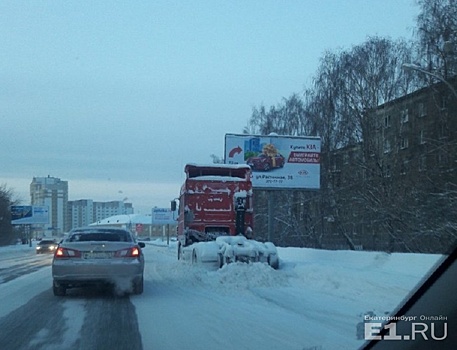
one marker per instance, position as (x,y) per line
(133,252)
(66,253)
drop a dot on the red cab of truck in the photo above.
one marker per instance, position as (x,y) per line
(215,200)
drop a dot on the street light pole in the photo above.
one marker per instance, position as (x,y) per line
(410,66)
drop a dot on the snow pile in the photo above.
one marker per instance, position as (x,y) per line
(240,276)
(347,272)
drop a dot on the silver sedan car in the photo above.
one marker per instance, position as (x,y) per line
(98,254)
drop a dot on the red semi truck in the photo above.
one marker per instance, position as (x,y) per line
(215,216)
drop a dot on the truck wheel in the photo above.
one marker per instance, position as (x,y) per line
(274,264)
(179,251)
(220,260)
(194,257)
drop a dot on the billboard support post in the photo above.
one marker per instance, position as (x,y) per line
(27,234)
(270,200)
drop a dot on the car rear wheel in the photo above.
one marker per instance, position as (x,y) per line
(59,290)
(138,286)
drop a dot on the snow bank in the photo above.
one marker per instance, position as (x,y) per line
(316,298)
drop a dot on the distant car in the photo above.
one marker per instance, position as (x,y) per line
(98,255)
(265,163)
(46,246)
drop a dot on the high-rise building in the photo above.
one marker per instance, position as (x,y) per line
(53,193)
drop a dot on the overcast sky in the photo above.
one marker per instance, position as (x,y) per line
(115,97)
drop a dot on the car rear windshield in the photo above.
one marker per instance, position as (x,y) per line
(105,236)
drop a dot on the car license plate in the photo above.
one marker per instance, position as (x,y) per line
(97,255)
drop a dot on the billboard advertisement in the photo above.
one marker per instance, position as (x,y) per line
(277,162)
(29,214)
(162,216)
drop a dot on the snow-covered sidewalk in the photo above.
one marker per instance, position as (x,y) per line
(315,300)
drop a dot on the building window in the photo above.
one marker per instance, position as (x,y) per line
(335,167)
(422,137)
(443,131)
(443,102)
(443,159)
(387,148)
(404,143)
(404,167)
(422,163)
(405,116)
(387,121)
(386,171)
(346,158)
(422,110)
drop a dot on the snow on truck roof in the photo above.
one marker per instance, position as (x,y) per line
(216,171)
(217,178)
(220,166)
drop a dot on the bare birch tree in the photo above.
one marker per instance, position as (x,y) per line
(437,36)
(6,200)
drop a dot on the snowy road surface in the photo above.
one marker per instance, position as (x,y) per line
(314,301)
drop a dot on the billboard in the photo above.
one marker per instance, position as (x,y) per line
(277,162)
(162,216)
(29,214)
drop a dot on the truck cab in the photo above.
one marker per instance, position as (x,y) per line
(215,200)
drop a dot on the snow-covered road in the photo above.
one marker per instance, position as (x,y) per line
(314,301)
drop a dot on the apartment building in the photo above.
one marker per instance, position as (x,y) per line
(104,210)
(84,212)
(81,212)
(51,192)
(396,190)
